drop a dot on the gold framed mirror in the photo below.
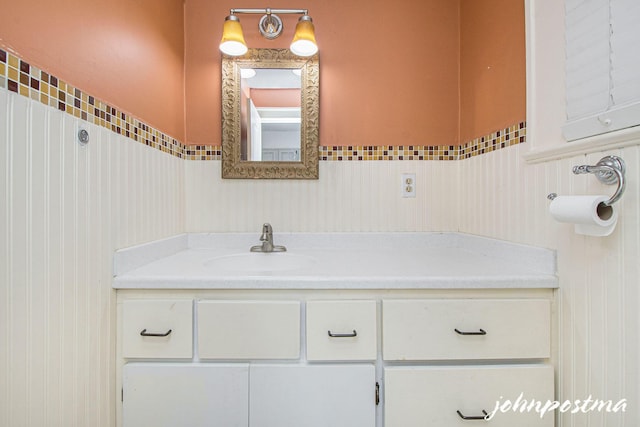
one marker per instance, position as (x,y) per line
(270,115)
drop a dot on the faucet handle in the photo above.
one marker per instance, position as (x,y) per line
(267,232)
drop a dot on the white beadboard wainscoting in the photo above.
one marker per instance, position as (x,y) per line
(349,196)
(65,209)
(599,294)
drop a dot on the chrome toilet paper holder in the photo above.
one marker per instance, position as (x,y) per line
(609,170)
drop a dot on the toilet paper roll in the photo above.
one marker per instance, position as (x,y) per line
(591,216)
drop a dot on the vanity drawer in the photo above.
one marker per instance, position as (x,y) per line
(341,330)
(420,396)
(158,329)
(248,329)
(466,329)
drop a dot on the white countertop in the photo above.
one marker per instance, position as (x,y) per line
(335,261)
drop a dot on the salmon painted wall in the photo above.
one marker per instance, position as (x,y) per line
(492,66)
(388,72)
(127,53)
(459,74)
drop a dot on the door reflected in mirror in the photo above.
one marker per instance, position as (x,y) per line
(270,114)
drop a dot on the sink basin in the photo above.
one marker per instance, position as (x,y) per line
(260,262)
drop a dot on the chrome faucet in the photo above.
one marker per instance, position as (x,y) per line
(267,241)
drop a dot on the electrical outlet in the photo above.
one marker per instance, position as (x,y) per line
(408,188)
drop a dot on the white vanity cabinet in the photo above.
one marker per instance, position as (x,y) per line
(341,330)
(339,358)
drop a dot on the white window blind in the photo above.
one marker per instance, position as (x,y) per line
(602,67)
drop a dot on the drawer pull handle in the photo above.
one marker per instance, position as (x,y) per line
(351,335)
(479,332)
(476,417)
(144,333)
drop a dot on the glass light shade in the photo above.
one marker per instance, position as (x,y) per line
(247,73)
(232,42)
(304,40)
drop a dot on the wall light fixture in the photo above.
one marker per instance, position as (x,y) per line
(270,26)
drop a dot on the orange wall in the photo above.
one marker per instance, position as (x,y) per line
(128,53)
(492,66)
(421,72)
(388,71)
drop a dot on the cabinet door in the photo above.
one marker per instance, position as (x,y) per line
(432,396)
(312,396)
(178,395)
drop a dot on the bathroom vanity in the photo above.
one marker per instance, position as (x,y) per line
(354,329)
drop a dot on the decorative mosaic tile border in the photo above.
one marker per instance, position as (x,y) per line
(503,138)
(389,152)
(513,135)
(20,77)
(202,152)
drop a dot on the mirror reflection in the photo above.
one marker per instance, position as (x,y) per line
(270,114)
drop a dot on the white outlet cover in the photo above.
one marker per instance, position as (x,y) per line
(408,185)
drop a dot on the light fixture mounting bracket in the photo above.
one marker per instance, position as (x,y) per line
(270,25)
